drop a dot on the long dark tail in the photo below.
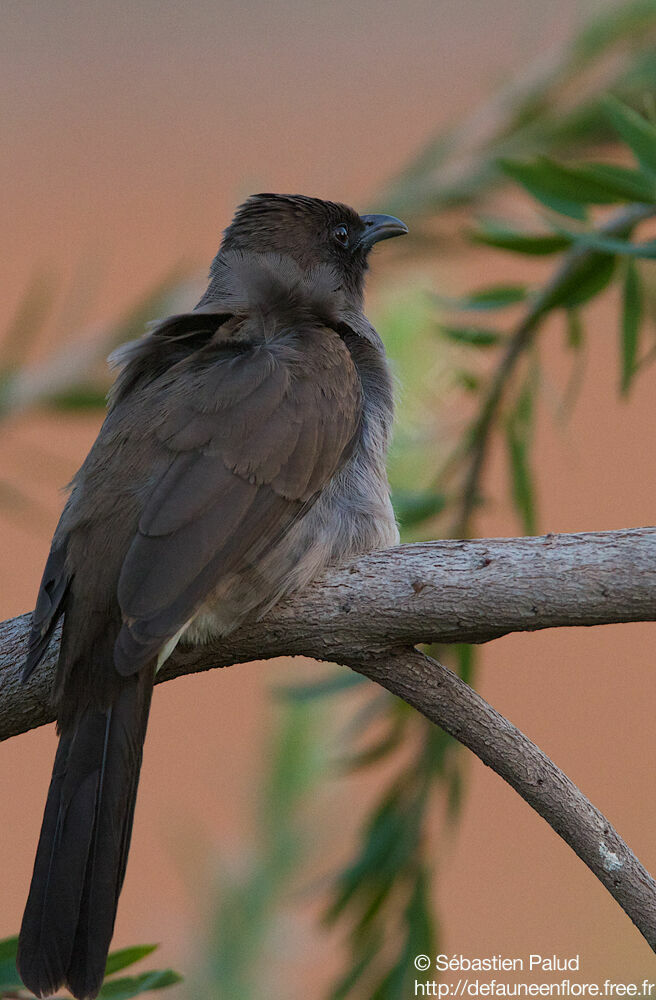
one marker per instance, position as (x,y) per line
(83,848)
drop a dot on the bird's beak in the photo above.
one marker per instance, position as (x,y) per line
(380,227)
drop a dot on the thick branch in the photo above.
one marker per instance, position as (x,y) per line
(370,614)
(445,699)
(446,591)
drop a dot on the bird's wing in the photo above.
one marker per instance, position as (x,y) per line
(251,440)
(50,604)
(142,361)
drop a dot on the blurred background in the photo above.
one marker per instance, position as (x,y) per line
(130,132)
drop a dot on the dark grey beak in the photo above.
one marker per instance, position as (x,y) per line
(380,227)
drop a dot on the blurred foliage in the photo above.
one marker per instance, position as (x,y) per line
(576,136)
(249,936)
(490,371)
(114,987)
(556,107)
(73,375)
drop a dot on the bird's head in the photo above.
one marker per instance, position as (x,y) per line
(313,233)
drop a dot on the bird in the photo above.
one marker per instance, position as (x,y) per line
(243,452)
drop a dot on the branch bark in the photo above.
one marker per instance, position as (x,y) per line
(369,616)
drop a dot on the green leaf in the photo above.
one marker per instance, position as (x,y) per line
(9,979)
(610,244)
(567,188)
(486,299)
(124,957)
(494,234)
(522,485)
(474,336)
(331,684)
(467,380)
(586,279)
(574,329)
(80,397)
(388,843)
(413,506)
(625,182)
(421,925)
(465,657)
(636,131)
(631,320)
(365,956)
(625,22)
(575,339)
(393,986)
(539,180)
(377,750)
(132,986)
(519,426)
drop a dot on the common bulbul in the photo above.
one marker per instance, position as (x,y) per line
(242,453)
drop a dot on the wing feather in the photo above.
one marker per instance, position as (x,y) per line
(50,604)
(251,445)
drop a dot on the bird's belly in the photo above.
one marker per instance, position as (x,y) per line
(348,519)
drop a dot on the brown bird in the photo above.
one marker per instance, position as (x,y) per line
(243,452)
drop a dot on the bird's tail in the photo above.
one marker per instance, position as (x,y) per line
(80,861)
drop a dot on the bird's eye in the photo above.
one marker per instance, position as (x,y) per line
(341,235)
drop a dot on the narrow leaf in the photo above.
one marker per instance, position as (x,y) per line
(468,381)
(539,181)
(586,183)
(465,656)
(575,338)
(473,336)
(421,925)
(609,244)
(574,329)
(625,182)
(329,685)
(522,486)
(413,506)
(519,427)
(80,397)
(631,320)
(132,986)
(363,960)
(487,299)
(494,234)
(381,748)
(124,957)
(607,28)
(636,131)
(587,278)
(8,975)
(387,842)
(393,986)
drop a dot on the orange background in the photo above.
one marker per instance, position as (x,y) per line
(129,133)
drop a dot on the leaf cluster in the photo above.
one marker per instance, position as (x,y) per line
(555,108)
(114,987)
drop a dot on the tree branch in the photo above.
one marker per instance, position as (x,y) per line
(370,614)
(446,700)
(444,591)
